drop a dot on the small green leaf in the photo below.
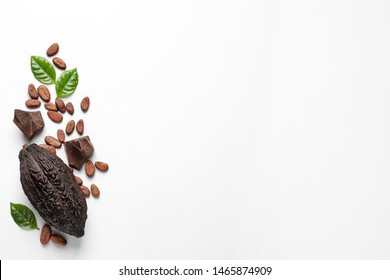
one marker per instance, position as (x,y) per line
(67,83)
(23,216)
(43,70)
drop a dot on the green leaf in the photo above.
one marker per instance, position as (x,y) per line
(43,70)
(23,216)
(67,83)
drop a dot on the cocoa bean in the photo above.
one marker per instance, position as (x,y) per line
(51,107)
(45,234)
(80,127)
(89,168)
(70,108)
(55,116)
(60,105)
(32,91)
(52,141)
(78,180)
(53,49)
(49,148)
(61,135)
(70,127)
(58,240)
(59,63)
(101,166)
(33,103)
(95,191)
(44,93)
(85,104)
(85,191)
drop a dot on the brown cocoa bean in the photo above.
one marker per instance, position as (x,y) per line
(58,240)
(55,116)
(53,49)
(61,135)
(89,168)
(85,191)
(52,141)
(101,166)
(80,127)
(45,234)
(44,93)
(95,191)
(60,105)
(70,108)
(49,148)
(32,91)
(51,107)
(59,63)
(33,103)
(85,104)
(78,180)
(70,127)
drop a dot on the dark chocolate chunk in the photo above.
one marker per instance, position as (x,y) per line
(29,122)
(51,188)
(78,151)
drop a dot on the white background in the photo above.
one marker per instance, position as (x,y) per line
(233,129)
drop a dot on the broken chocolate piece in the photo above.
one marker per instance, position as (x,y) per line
(78,151)
(29,122)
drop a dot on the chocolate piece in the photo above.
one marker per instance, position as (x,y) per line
(78,151)
(29,122)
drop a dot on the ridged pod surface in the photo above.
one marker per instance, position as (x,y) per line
(51,188)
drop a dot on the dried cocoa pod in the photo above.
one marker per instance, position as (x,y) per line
(33,103)
(70,127)
(45,234)
(60,105)
(59,63)
(58,240)
(53,49)
(101,166)
(69,108)
(32,91)
(51,188)
(85,104)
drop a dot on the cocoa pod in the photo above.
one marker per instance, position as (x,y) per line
(45,234)
(51,188)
